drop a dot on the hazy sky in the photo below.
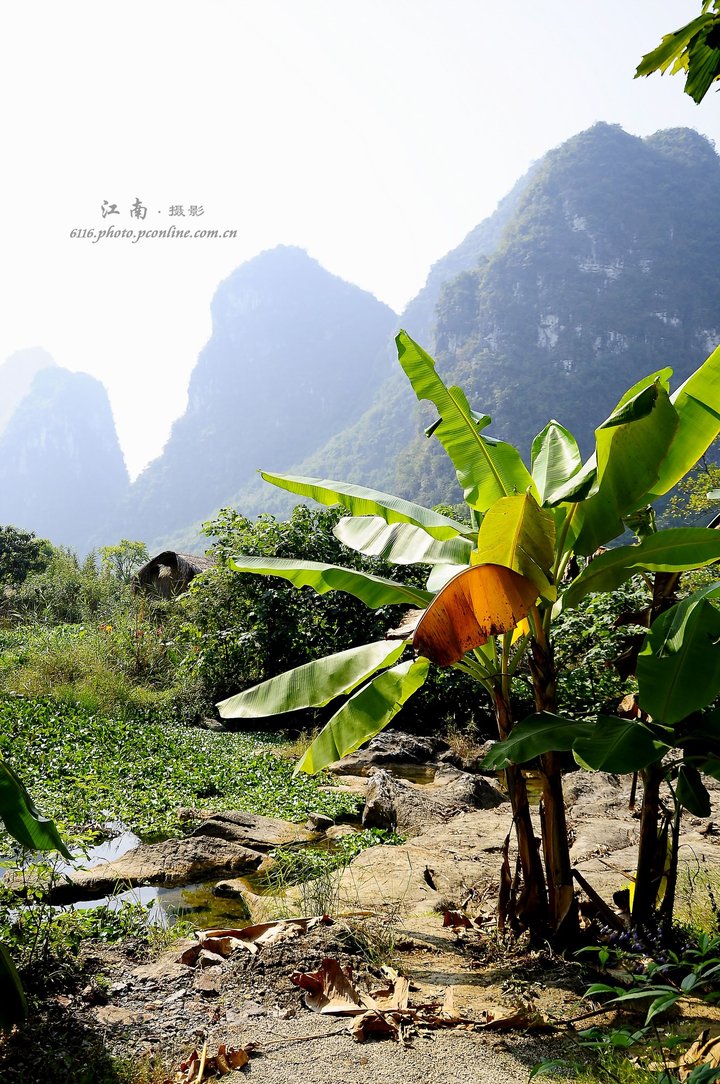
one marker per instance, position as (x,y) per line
(373,133)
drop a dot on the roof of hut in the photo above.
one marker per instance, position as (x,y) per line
(180,567)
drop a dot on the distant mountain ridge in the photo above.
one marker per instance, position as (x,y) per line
(599,267)
(61,467)
(16,376)
(607,269)
(295,355)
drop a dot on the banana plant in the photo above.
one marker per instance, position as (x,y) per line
(494,585)
(678,678)
(31,830)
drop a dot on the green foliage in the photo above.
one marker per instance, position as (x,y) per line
(122,560)
(65,592)
(678,669)
(693,49)
(21,554)
(246,629)
(127,662)
(673,550)
(690,501)
(588,641)
(70,761)
(291,866)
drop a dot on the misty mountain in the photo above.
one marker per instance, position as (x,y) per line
(600,266)
(381,435)
(296,355)
(16,377)
(606,269)
(61,467)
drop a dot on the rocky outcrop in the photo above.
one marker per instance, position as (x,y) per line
(409,808)
(391,747)
(227,843)
(257,833)
(173,862)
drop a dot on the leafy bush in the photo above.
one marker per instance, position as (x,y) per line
(21,554)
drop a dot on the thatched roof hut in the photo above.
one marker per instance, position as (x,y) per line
(170,573)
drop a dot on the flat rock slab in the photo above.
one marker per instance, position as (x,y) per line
(173,862)
(257,833)
(436,868)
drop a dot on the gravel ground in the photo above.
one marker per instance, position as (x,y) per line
(133,1008)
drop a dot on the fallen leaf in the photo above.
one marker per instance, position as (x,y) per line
(394,996)
(456,919)
(704,1051)
(198,1066)
(250,938)
(330,990)
(375,1023)
(448,1008)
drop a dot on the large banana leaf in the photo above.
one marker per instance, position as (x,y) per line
(374,591)
(442,574)
(13,1006)
(618,746)
(314,684)
(678,668)
(690,49)
(400,543)
(607,744)
(676,549)
(580,487)
(538,734)
(365,714)
(518,534)
(481,602)
(486,468)
(630,446)
(697,403)
(22,819)
(369,502)
(691,792)
(555,459)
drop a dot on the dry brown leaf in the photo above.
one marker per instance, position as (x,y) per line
(448,1007)
(481,602)
(330,990)
(198,1066)
(703,1051)
(395,995)
(250,938)
(457,919)
(377,1024)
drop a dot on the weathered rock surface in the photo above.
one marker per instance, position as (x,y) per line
(257,833)
(227,843)
(391,747)
(173,862)
(442,865)
(409,808)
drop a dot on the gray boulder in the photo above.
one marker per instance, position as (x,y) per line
(409,808)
